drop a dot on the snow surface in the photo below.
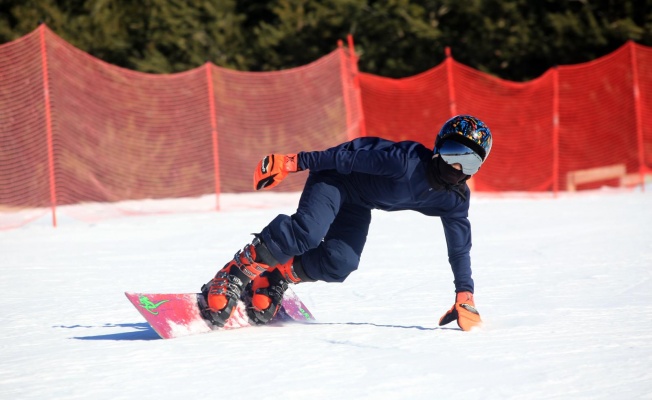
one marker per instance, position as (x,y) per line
(564,287)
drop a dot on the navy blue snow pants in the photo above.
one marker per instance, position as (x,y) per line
(327,232)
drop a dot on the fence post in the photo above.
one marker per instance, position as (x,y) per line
(449,78)
(345,91)
(638,113)
(555,131)
(213,119)
(48,125)
(356,85)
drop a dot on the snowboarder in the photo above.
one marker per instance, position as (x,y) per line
(324,239)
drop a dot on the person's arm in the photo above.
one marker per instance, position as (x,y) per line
(458,240)
(368,155)
(373,156)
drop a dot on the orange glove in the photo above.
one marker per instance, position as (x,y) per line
(272,169)
(463,311)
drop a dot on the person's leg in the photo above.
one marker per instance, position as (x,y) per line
(275,248)
(339,253)
(288,236)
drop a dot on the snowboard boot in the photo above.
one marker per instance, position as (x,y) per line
(266,291)
(222,293)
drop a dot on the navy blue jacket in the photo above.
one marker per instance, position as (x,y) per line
(393,176)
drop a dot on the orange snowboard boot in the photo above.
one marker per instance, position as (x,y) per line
(222,293)
(267,290)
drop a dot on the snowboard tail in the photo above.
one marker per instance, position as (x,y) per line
(174,315)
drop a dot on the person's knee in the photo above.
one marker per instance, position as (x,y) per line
(287,236)
(339,264)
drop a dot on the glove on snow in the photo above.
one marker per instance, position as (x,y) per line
(273,168)
(463,311)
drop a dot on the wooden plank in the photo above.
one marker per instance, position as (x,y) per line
(582,176)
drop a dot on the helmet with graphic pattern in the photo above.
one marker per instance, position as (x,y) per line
(464,140)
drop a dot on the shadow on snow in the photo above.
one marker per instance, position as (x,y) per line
(142,331)
(417,327)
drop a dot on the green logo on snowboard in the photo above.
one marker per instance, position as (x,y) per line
(149,306)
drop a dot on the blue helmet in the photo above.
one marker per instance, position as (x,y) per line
(465,140)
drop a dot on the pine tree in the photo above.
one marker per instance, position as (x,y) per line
(513,39)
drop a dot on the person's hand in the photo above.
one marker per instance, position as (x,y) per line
(463,311)
(273,168)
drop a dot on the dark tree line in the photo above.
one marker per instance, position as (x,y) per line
(513,39)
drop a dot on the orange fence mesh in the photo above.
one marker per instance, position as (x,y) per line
(75,129)
(575,127)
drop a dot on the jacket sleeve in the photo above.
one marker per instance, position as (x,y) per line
(365,156)
(458,241)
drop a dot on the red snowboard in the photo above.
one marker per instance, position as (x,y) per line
(176,315)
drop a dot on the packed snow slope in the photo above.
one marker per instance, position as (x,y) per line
(564,287)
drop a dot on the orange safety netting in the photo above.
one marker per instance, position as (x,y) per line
(75,129)
(575,127)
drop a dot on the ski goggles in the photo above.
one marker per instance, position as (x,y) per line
(456,153)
